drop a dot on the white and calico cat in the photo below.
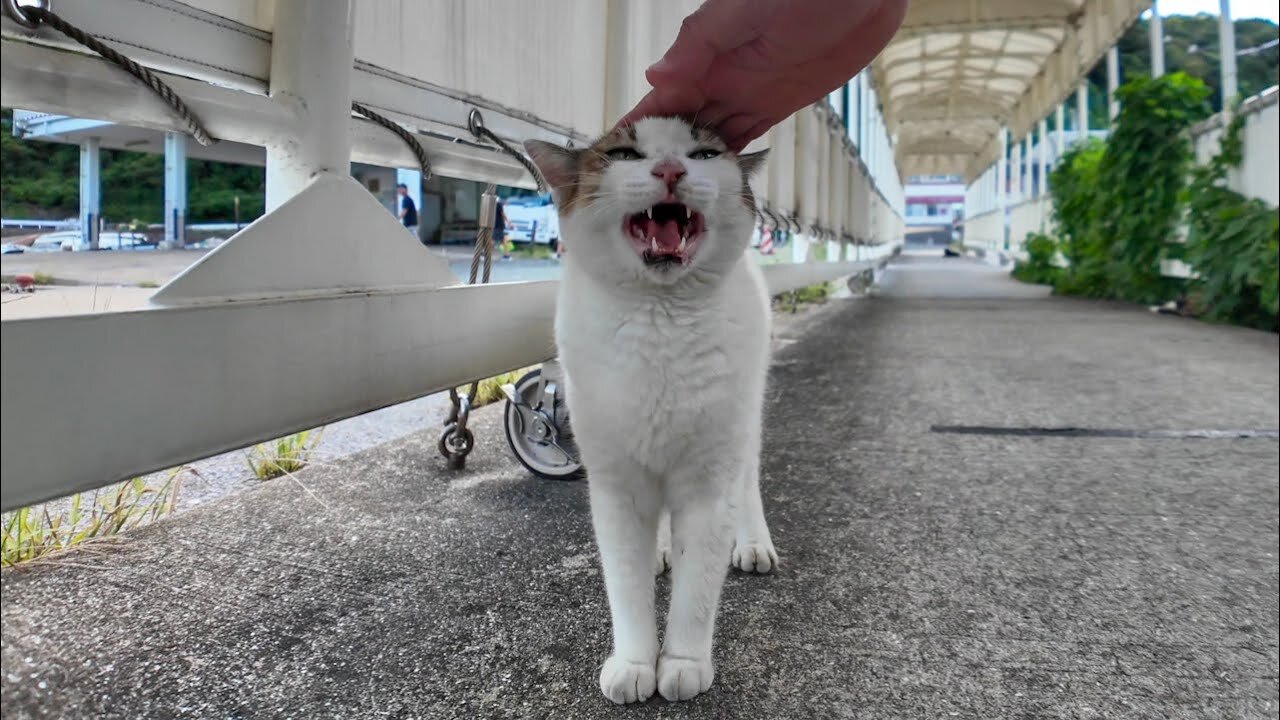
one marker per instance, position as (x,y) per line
(662,326)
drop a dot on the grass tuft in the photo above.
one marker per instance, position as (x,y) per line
(532,251)
(284,456)
(39,531)
(490,390)
(815,294)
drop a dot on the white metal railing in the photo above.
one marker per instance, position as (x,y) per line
(1259,174)
(324,307)
(985,231)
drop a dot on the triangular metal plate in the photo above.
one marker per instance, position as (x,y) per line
(332,237)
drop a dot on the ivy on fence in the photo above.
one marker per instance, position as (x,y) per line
(1075,193)
(1117,206)
(1233,242)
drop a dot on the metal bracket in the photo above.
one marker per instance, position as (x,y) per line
(14,10)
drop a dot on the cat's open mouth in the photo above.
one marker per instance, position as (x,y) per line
(666,233)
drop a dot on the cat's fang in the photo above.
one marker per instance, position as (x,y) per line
(684,243)
(653,244)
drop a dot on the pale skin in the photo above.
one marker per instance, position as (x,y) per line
(740,67)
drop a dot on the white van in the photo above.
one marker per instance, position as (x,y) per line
(533,219)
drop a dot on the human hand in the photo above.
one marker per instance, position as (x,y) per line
(742,66)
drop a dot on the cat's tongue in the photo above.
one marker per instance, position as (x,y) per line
(667,235)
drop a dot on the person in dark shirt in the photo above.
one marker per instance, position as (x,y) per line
(500,225)
(408,209)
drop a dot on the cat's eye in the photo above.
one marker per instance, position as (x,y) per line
(624,153)
(704,154)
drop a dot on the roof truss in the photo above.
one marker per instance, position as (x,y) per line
(960,70)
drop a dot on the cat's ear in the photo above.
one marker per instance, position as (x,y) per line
(752,162)
(559,166)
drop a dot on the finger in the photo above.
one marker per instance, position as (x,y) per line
(738,139)
(649,105)
(714,28)
(677,100)
(710,115)
(734,126)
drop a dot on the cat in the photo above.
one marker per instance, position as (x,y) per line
(662,327)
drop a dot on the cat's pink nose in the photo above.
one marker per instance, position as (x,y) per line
(670,172)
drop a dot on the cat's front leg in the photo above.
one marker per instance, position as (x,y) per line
(701,535)
(753,549)
(624,511)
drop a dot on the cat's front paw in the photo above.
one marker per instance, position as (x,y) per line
(662,560)
(758,558)
(682,678)
(626,681)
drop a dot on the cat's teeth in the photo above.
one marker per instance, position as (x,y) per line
(653,244)
(688,214)
(649,213)
(684,242)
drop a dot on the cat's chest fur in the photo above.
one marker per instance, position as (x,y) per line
(676,368)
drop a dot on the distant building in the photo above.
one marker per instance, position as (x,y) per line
(933,203)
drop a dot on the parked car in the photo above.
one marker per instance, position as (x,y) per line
(533,219)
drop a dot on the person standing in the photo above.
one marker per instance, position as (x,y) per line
(408,209)
(500,226)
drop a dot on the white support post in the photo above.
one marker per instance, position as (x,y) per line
(1015,173)
(1042,158)
(980,204)
(1156,27)
(1113,81)
(1002,186)
(1227,51)
(175,190)
(90,192)
(311,66)
(1082,110)
(1059,116)
(1026,173)
(872,117)
(993,187)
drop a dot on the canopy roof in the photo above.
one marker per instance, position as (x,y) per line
(959,70)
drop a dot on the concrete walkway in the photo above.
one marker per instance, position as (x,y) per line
(925,574)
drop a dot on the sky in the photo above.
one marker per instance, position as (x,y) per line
(1268,9)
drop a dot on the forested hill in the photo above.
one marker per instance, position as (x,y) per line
(42,179)
(1191,45)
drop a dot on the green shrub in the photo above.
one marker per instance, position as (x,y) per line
(1074,188)
(1143,171)
(1117,208)
(1038,268)
(1233,243)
